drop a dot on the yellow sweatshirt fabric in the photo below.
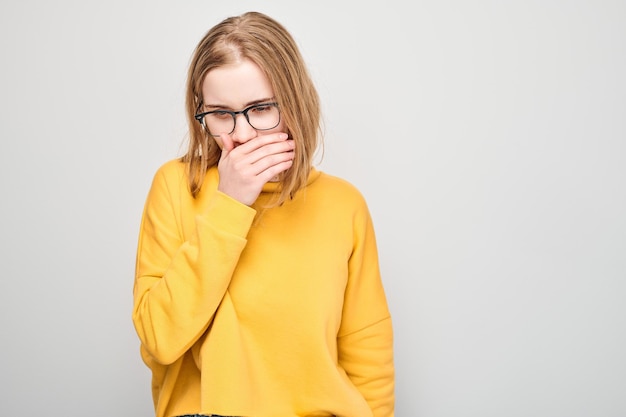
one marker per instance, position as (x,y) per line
(262,313)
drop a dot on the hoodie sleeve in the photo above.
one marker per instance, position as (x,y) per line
(180,280)
(365,340)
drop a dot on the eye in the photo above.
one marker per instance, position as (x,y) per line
(220,114)
(261,108)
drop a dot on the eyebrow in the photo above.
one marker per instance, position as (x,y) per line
(250,103)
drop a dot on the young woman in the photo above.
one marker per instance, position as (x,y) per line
(257,290)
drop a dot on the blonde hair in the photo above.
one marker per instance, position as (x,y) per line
(269,45)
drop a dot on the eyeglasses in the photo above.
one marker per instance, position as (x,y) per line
(263,116)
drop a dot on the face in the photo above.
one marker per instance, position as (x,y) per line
(235,87)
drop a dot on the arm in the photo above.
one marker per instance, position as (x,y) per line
(180,282)
(365,341)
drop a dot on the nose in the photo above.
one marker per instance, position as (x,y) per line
(243,130)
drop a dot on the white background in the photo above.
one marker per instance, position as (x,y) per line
(488,138)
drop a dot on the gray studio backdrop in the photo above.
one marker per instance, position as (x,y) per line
(488,137)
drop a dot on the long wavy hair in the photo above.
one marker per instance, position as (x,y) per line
(269,45)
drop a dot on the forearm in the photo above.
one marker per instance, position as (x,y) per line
(179,285)
(367,358)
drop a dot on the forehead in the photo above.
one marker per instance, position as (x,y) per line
(236,85)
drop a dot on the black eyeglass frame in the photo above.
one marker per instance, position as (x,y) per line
(200,116)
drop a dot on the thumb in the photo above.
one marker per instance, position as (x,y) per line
(227,144)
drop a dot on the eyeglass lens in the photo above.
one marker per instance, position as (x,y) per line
(260,117)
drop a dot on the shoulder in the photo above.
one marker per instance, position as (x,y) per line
(170,177)
(338,189)
(172,168)
(334,183)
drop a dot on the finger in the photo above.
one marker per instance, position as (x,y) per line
(270,150)
(262,141)
(227,142)
(273,170)
(267,163)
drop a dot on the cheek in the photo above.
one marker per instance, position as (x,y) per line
(219,142)
(281,127)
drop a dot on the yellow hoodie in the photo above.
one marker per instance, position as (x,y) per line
(262,313)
